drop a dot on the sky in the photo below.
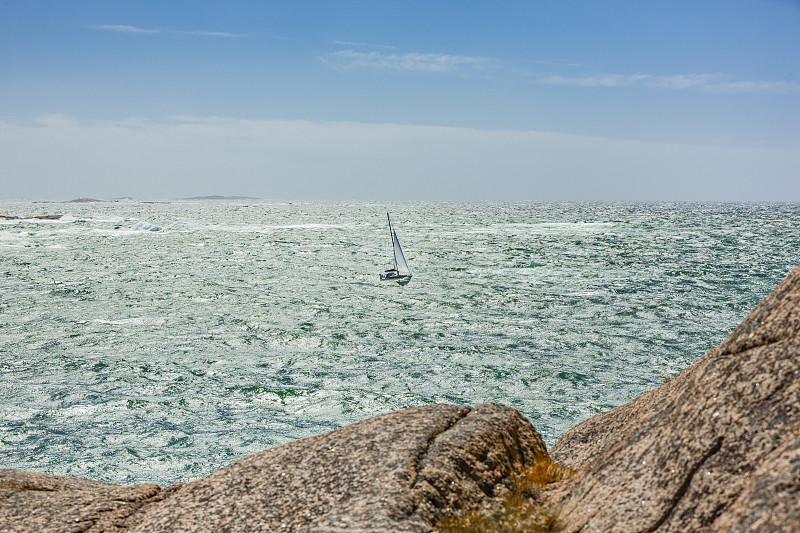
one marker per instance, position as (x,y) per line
(508,100)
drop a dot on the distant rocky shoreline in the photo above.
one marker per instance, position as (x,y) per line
(715,449)
(38,217)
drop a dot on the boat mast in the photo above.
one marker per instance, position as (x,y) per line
(391,235)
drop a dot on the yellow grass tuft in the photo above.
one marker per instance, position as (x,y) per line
(516,516)
(541,472)
(521,510)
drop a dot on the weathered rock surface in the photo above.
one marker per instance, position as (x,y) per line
(715,449)
(40,502)
(394,472)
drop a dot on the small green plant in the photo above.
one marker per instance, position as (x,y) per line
(521,510)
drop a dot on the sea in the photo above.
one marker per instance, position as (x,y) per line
(160,341)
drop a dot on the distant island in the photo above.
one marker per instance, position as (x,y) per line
(83,201)
(35,217)
(217,197)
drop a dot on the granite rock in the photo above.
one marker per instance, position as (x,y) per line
(39,502)
(394,472)
(717,448)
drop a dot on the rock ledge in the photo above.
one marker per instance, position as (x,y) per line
(394,472)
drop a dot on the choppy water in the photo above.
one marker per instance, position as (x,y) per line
(159,342)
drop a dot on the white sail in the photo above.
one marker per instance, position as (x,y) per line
(400,273)
(399,259)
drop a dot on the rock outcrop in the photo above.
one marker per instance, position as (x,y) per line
(717,448)
(394,472)
(34,502)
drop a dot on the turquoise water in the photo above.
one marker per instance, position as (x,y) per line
(160,341)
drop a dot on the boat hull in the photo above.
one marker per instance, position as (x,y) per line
(402,280)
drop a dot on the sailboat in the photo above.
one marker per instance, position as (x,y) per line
(400,273)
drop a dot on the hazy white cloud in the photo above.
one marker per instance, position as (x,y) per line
(682,81)
(121,28)
(551,63)
(450,63)
(56,156)
(601,80)
(780,87)
(369,45)
(56,121)
(207,33)
(418,62)
(714,83)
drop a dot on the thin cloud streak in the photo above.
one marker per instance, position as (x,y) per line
(412,62)
(123,28)
(207,33)
(370,45)
(780,87)
(680,82)
(451,63)
(711,83)
(603,80)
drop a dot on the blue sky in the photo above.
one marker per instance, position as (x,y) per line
(439,100)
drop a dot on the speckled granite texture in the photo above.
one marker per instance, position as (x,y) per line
(394,472)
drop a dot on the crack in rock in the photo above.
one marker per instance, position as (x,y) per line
(685,486)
